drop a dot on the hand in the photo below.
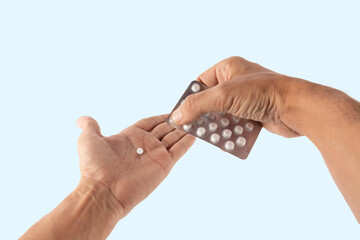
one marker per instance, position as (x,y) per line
(113,160)
(289,107)
(244,89)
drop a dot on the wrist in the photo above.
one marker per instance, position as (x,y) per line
(310,108)
(291,101)
(93,191)
(89,212)
(305,103)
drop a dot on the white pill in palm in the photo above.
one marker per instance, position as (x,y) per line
(215,138)
(195,87)
(213,126)
(187,127)
(224,122)
(200,131)
(139,151)
(238,130)
(241,141)
(249,126)
(226,133)
(229,145)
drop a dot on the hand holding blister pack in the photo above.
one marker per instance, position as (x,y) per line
(230,133)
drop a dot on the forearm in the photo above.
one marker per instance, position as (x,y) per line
(331,120)
(89,212)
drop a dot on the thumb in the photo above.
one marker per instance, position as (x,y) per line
(197,104)
(88,124)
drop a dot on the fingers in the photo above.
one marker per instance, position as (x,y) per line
(150,123)
(161,130)
(170,139)
(222,71)
(228,69)
(209,77)
(180,147)
(195,105)
(88,124)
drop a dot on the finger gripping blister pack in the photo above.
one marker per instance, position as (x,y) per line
(230,133)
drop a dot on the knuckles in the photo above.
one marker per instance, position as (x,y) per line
(230,66)
(234,60)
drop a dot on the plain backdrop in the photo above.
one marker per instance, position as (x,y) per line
(120,61)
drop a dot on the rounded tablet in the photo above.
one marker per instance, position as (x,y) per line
(229,145)
(249,126)
(215,138)
(238,130)
(195,87)
(226,133)
(211,115)
(224,122)
(139,151)
(213,126)
(240,141)
(200,132)
(235,119)
(187,127)
(200,121)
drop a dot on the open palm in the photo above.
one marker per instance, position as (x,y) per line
(114,162)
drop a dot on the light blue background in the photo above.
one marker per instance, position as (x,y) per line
(120,61)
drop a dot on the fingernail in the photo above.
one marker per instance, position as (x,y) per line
(176,115)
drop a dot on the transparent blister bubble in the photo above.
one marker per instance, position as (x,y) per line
(232,134)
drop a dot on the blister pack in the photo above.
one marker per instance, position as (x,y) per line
(230,133)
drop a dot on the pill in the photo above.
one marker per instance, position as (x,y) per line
(195,87)
(238,130)
(224,122)
(241,141)
(211,115)
(235,119)
(187,127)
(213,126)
(249,126)
(200,131)
(230,133)
(226,133)
(229,145)
(215,138)
(200,121)
(139,151)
